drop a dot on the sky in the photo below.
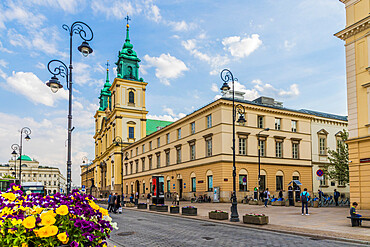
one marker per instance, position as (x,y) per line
(283,49)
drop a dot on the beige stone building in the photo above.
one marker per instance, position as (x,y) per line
(356,35)
(32,171)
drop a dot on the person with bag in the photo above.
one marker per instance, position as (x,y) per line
(336,197)
(110,203)
(304,200)
(266,196)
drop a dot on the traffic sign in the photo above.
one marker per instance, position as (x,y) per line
(244,179)
(320,173)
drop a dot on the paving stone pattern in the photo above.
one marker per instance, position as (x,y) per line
(146,229)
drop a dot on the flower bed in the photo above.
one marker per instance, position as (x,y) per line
(31,219)
(218,215)
(174,209)
(256,219)
(152,207)
(161,208)
(142,206)
(189,211)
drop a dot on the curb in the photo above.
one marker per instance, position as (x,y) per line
(260,228)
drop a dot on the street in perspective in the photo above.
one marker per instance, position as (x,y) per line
(184,123)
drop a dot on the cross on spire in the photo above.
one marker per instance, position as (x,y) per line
(107,64)
(127,18)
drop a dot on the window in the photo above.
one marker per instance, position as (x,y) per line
(55,183)
(44,175)
(39,175)
(209,121)
(49,182)
(143,149)
(192,127)
(279,149)
(45,183)
(295,150)
(55,175)
(150,146)
(168,138)
(158,142)
(49,175)
(143,164)
(167,158)
(126,169)
(322,143)
(332,183)
(192,151)
(143,187)
(136,166)
(193,184)
(262,147)
(131,153)
(324,181)
(137,151)
(131,97)
(210,183)
(158,160)
(209,147)
(131,168)
(150,163)
(279,182)
(126,188)
(243,183)
(294,126)
(178,134)
(260,122)
(178,155)
(242,146)
(151,187)
(131,132)
(168,186)
(277,123)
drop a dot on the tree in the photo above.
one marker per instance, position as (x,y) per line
(8,176)
(337,169)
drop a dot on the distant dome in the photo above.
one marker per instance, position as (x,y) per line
(25,158)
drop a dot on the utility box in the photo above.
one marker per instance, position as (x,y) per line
(158,189)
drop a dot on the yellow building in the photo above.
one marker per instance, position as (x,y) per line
(357,37)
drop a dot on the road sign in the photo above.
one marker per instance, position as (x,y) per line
(244,179)
(319,173)
(83,188)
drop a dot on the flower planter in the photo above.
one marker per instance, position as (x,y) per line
(142,206)
(299,204)
(256,220)
(130,205)
(218,215)
(162,208)
(174,210)
(261,203)
(315,204)
(152,207)
(189,211)
(278,203)
(253,202)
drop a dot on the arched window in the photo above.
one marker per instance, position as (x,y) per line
(243,180)
(193,182)
(131,97)
(209,175)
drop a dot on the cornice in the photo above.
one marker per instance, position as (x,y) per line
(354,29)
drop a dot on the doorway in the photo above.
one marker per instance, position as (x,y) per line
(180,188)
(138,187)
(263,182)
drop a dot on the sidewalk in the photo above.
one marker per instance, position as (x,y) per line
(328,222)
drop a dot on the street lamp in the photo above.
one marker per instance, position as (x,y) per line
(62,70)
(15,148)
(259,161)
(227,76)
(118,142)
(18,148)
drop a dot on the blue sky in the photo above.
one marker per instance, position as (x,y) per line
(283,49)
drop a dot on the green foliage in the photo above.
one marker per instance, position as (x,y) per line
(337,169)
(8,176)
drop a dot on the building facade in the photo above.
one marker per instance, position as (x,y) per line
(50,177)
(356,35)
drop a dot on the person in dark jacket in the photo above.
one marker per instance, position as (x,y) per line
(110,203)
(117,203)
(113,202)
(336,197)
(353,212)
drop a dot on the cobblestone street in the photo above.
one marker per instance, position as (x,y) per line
(146,229)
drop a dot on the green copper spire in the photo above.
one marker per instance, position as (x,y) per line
(105,93)
(128,62)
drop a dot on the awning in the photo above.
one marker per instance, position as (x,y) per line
(296,182)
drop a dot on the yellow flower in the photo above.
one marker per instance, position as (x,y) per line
(29,222)
(53,230)
(16,222)
(43,232)
(24,245)
(103,211)
(16,188)
(50,212)
(47,220)
(39,210)
(9,196)
(62,210)
(62,237)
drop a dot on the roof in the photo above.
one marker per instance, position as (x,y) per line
(25,158)
(323,114)
(151,125)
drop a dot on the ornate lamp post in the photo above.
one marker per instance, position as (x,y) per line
(61,69)
(259,162)
(118,141)
(227,76)
(16,147)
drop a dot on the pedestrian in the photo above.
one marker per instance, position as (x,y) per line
(336,197)
(177,199)
(114,200)
(148,198)
(304,200)
(174,198)
(281,194)
(118,202)
(353,212)
(132,198)
(321,197)
(266,196)
(136,198)
(111,203)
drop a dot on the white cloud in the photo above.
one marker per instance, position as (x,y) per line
(40,65)
(3,63)
(215,88)
(288,45)
(239,47)
(36,91)
(170,116)
(167,67)
(2,49)
(69,6)
(181,26)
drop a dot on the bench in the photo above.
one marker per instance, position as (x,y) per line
(356,221)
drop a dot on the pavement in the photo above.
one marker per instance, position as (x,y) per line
(322,223)
(143,228)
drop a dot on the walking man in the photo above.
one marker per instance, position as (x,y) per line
(266,196)
(336,197)
(177,199)
(110,202)
(304,200)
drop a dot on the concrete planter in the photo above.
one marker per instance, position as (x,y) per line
(261,203)
(299,204)
(130,205)
(152,207)
(253,202)
(256,220)
(174,210)
(316,204)
(189,211)
(162,208)
(142,206)
(218,215)
(278,203)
